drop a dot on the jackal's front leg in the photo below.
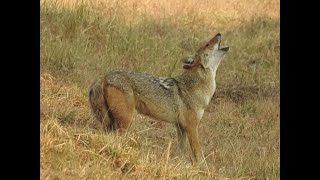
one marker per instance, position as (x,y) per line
(192,132)
(181,138)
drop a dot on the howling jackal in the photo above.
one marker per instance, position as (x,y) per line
(180,100)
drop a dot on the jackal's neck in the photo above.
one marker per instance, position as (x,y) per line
(198,77)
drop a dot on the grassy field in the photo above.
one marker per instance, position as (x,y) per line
(81,40)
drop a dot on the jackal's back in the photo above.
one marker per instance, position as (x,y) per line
(154,96)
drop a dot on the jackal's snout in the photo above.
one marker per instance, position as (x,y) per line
(217,37)
(214,43)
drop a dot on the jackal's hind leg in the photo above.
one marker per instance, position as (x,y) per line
(121,107)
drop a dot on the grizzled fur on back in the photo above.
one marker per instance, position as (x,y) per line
(154,96)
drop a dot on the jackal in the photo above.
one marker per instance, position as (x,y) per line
(180,100)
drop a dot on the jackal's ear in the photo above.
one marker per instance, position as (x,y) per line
(188,62)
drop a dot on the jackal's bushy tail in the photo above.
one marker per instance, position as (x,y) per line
(99,105)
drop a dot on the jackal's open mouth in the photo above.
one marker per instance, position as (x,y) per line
(223,48)
(219,43)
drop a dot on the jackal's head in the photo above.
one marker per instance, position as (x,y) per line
(208,55)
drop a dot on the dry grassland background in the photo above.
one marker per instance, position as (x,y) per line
(82,40)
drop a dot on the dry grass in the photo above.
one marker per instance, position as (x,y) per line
(72,148)
(240,129)
(212,12)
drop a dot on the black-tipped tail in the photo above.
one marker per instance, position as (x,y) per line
(98,104)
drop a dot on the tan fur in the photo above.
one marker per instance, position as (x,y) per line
(120,106)
(180,100)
